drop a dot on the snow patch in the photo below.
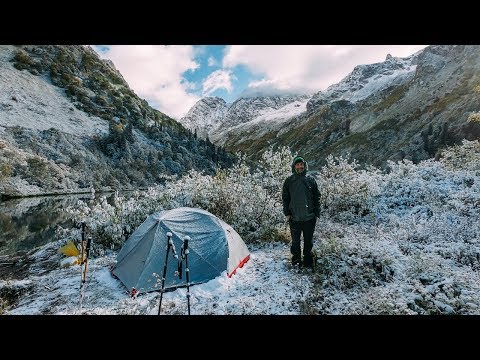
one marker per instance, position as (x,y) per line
(268,120)
(33,102)
(280,115)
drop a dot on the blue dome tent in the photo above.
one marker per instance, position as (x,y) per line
(214,247)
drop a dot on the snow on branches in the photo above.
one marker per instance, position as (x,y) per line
(404,240)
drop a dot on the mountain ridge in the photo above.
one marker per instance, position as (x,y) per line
(400,108)
(205,118)
(69,122)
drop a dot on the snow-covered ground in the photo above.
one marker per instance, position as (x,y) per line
(31,102)
(265,285)
(402,242)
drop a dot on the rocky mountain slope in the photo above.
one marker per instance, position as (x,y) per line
(418,105)
(205,116)
(69,121)
(213,117)
(400,108)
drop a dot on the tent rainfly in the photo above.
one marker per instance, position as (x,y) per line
(214,247)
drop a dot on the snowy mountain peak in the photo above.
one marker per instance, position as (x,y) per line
(212,116)
(204,115)
(366,80)
(246,109)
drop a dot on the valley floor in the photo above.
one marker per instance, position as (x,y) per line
(265,285)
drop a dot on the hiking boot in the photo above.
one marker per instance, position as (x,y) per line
(297,260)
(310,261)
(297,263)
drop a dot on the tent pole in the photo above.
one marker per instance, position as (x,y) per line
(162,290)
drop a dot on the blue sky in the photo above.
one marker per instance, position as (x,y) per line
(225,85)
(173,78)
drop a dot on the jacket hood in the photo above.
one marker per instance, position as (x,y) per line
(304,172)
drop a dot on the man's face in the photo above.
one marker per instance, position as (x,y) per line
(299,167)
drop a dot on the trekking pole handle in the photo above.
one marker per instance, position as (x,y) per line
(186,239)
(83,226)
(170,241)
(87,249)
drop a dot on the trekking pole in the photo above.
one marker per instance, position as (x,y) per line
(187,271)
(84,272)
(162,290)
(83,252)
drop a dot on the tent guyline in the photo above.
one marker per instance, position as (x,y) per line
(183,257)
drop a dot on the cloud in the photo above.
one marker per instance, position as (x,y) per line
(190,85)
(266,87)
(212,61)
(155,72)
(307,67)
(217,80)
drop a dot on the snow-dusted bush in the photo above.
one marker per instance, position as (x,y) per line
(344,189)
(5,171)
(10,292)
(9,159)
(407,185)
(110,224)
(250,201)
(416,251)
(465,156)
(419,252)
(395,268)
(355,255)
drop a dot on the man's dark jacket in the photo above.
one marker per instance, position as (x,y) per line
(300,195)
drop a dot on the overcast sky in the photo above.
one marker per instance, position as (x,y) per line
(172,78)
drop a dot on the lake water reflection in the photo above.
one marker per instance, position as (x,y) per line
(28,223)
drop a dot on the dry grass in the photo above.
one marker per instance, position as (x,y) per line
(474,117)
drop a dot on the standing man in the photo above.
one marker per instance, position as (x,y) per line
(301,206)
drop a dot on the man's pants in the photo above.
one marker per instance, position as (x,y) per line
(296,229)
